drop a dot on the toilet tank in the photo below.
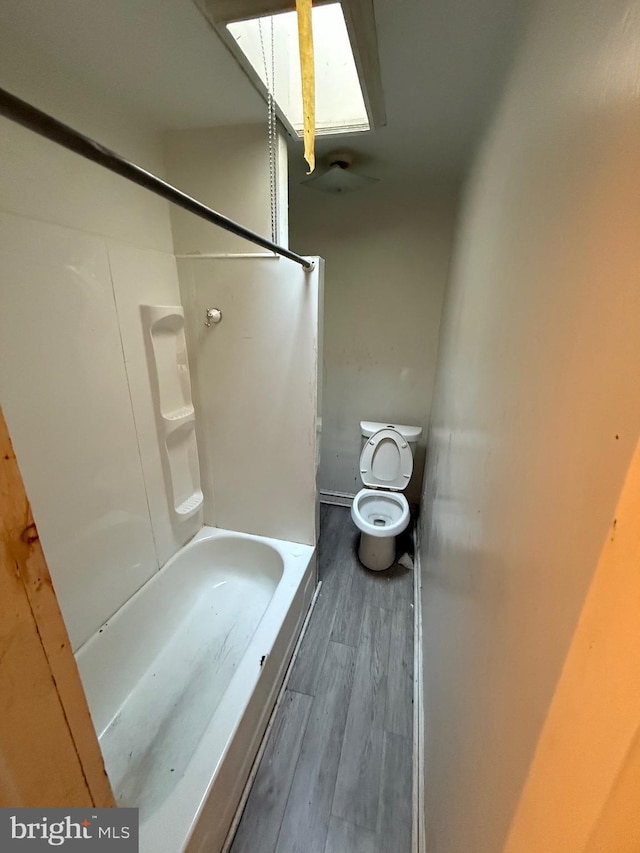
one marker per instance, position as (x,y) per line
(410,433)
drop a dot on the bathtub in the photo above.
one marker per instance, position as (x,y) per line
(182,679)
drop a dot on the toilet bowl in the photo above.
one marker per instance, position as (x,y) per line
(380,517)
(380,510)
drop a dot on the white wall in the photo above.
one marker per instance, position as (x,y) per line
(79,250)
(226,168)
(255,375)
(537,411)
(255,381)
(387,254)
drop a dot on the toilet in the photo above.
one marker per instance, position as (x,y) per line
(381,511)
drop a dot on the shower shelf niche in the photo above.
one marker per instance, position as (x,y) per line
(169,370)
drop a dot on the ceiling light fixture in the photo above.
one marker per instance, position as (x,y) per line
(339,177)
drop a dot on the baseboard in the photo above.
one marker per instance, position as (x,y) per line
(335,498)
(418,834)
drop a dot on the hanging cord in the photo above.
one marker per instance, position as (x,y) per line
(271,126)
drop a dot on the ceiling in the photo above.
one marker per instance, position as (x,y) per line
(443,63)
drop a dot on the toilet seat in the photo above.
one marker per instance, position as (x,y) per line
(386,461)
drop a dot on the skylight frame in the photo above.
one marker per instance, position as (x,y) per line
(360,24)
(340,106)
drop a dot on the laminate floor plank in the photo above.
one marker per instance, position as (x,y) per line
(267,801)
(308,665)
(357,790)
(332,526)
(395,813)
(338,540)
(345,837)
(399,704)
(306,819)
(336,775)
(386,589)
(349,616)
(311,654)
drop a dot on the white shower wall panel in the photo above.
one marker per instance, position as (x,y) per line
(146,277)
(63,387)
(80,249)
(255,379)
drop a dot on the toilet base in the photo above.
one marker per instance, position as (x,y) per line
(377,552)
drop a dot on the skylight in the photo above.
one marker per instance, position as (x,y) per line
(340,106)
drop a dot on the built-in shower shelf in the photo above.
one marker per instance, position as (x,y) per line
(175,416)
(174,420)
(191,505)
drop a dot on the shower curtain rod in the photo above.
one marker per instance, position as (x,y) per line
(45,125)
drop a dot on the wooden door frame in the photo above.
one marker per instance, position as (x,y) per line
(49,748)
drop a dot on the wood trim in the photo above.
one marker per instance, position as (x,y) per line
(51,755)
(581,794)
(418,843)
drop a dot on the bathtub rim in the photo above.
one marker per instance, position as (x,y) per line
(95,653)
(172,826)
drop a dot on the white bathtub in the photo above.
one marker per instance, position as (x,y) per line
(182,679)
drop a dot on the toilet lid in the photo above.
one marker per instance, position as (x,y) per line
(386,461)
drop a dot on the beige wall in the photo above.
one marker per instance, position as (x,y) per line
(58,186)
(226,168)
(80,249)
(536,413)
(387,253)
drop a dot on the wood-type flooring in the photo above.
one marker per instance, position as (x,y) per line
(336,774)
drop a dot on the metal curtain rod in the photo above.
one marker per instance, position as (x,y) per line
(45,125)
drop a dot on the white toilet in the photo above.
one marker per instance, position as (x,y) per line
(381,511)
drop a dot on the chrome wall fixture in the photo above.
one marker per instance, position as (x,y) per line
(212,316)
